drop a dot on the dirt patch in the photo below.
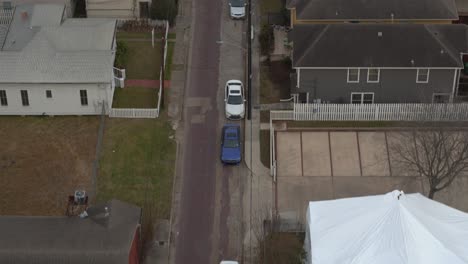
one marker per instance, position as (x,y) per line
(43,160)
(275,81)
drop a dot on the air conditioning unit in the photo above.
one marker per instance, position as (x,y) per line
(80,197)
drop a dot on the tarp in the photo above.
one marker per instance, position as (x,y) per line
(391,228)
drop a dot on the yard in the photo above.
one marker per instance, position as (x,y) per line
(144,61)
(43,160)
(274,81)
(135,97)
(137,163)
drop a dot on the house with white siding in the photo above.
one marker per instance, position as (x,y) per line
(51,65)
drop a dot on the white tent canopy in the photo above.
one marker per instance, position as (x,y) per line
(391,228)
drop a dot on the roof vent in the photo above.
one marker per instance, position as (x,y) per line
(379,34)
(107,211)
(442,51)
(412,62)
(336,12)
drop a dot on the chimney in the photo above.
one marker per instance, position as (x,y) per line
(379,34)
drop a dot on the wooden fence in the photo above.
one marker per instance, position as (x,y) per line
(374,112)
(134,112)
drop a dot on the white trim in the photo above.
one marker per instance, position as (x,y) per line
(447,94)
(362,96)
(454,86)
(358,75)
(417,75)
(387,68)
(298,77)
(378,75)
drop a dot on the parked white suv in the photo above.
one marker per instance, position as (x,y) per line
(237,8)
(234,99)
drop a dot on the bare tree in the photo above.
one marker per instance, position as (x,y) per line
(437,153)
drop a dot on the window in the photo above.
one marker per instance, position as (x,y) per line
(373,75)
(24,98)
(48,93)
(362,98)
(3,98)
(440,98)
(84,97)
(353,75)
(422,76)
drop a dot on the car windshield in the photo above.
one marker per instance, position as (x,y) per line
(235,100)
(231,143)
(237,3)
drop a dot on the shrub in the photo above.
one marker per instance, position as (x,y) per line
(121,54)
(267,40)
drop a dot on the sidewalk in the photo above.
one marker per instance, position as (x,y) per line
(259,193)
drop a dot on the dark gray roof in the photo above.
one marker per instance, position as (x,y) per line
(359,45)
(375,9)
(67,240)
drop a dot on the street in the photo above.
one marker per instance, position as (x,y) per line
(209,218)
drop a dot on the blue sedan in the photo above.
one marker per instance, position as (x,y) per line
(231,144)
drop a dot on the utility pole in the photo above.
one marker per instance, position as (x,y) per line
(249,59)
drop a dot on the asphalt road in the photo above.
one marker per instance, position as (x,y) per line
(203,235)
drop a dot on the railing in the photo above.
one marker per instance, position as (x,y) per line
(134,112)
(5,16)
(119,76)
(374,112)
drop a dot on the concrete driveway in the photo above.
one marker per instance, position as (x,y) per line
(321,165)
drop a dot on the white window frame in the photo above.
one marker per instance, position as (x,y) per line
(427,79)
(378,75)
(358,75)
(362,97)
(446,94)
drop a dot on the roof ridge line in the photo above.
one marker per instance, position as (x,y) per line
(441,42)
(325,29)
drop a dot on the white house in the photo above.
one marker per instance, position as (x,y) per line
(50,65)
(11,4)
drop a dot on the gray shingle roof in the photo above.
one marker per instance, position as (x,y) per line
(69,240)
(52,51)
(359,45)
(375,9)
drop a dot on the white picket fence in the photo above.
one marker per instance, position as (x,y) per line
(134,112)
(374,112)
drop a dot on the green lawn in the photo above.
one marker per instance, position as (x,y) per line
(135,97)
(170,53)
(144,61)
(137,163)
(142,35)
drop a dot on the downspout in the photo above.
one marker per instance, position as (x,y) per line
(454,85)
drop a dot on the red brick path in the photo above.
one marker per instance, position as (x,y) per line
(146,83)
